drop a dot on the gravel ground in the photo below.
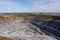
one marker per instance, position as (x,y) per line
(21,30)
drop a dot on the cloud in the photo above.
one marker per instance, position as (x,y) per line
(10,6)
(36,6)
(7,6)
(46,5)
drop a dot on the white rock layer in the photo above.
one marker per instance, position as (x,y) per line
(19,30)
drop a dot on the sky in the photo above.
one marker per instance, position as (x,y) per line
(29,6)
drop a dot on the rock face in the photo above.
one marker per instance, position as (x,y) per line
(19,28)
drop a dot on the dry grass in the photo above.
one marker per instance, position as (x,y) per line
(5,38)
(13,17)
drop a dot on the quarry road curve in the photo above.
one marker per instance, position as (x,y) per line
(21,29)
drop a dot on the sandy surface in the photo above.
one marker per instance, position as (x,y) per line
(21,30)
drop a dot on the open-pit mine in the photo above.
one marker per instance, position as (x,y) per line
(14,27)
